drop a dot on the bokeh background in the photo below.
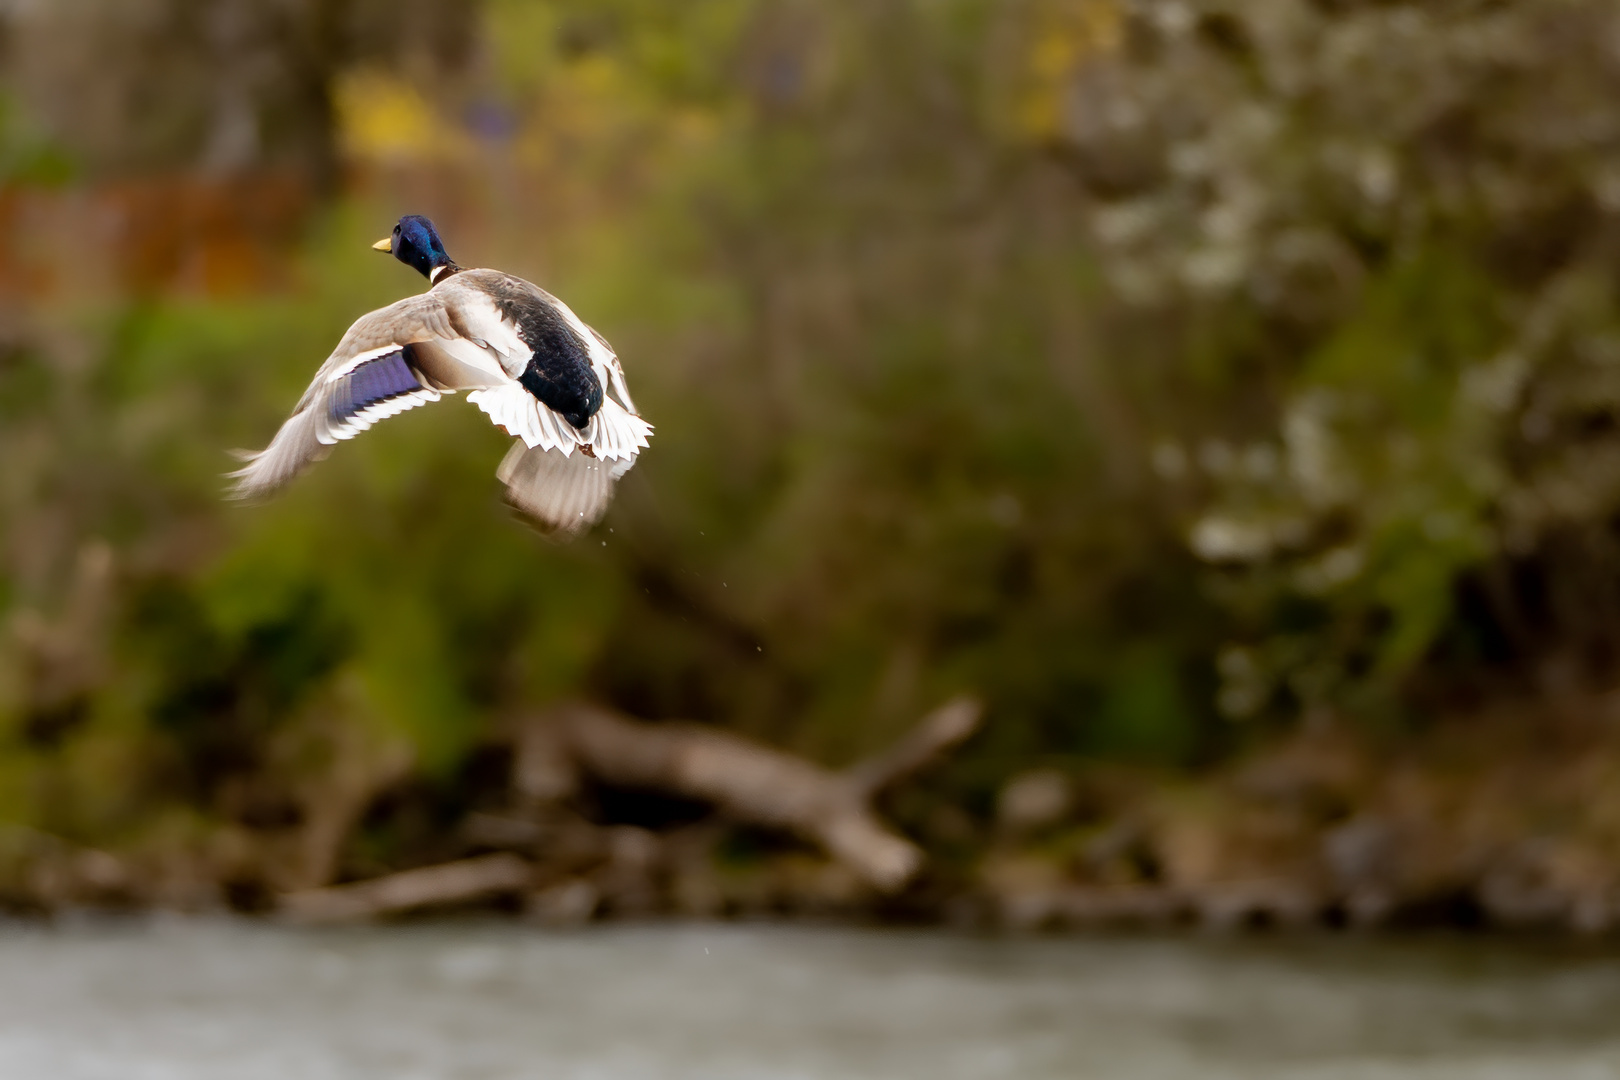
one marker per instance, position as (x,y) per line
(1227,393)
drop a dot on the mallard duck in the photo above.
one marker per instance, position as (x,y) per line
(540,373)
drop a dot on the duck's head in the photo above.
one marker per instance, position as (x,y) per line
(415,242)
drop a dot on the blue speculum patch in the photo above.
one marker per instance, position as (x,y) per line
(372,382)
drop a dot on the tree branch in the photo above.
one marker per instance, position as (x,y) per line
(742,779)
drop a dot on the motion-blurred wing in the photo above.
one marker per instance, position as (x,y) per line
(566,493)
(371,375)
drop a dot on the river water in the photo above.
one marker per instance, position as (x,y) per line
(183,1000)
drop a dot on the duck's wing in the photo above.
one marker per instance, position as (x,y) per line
(562,493)
(373,373)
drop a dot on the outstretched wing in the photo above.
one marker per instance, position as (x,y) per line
(371,375)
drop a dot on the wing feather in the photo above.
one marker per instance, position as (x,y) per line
(564,493)
(347,400)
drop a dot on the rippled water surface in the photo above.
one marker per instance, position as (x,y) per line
(228,1001)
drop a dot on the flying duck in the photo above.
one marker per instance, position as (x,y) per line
(540,373)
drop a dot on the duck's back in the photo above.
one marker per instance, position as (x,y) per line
(558,370)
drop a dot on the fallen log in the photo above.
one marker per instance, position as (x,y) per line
(745,781)
(448,883)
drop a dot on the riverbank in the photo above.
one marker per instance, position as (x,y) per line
(1500,821)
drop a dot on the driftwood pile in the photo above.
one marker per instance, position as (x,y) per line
(1511,824)
(563,867)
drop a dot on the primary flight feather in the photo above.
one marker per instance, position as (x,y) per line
(540,373)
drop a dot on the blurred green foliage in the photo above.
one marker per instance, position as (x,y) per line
(1162,371)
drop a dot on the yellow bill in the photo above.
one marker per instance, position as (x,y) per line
(385,244)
